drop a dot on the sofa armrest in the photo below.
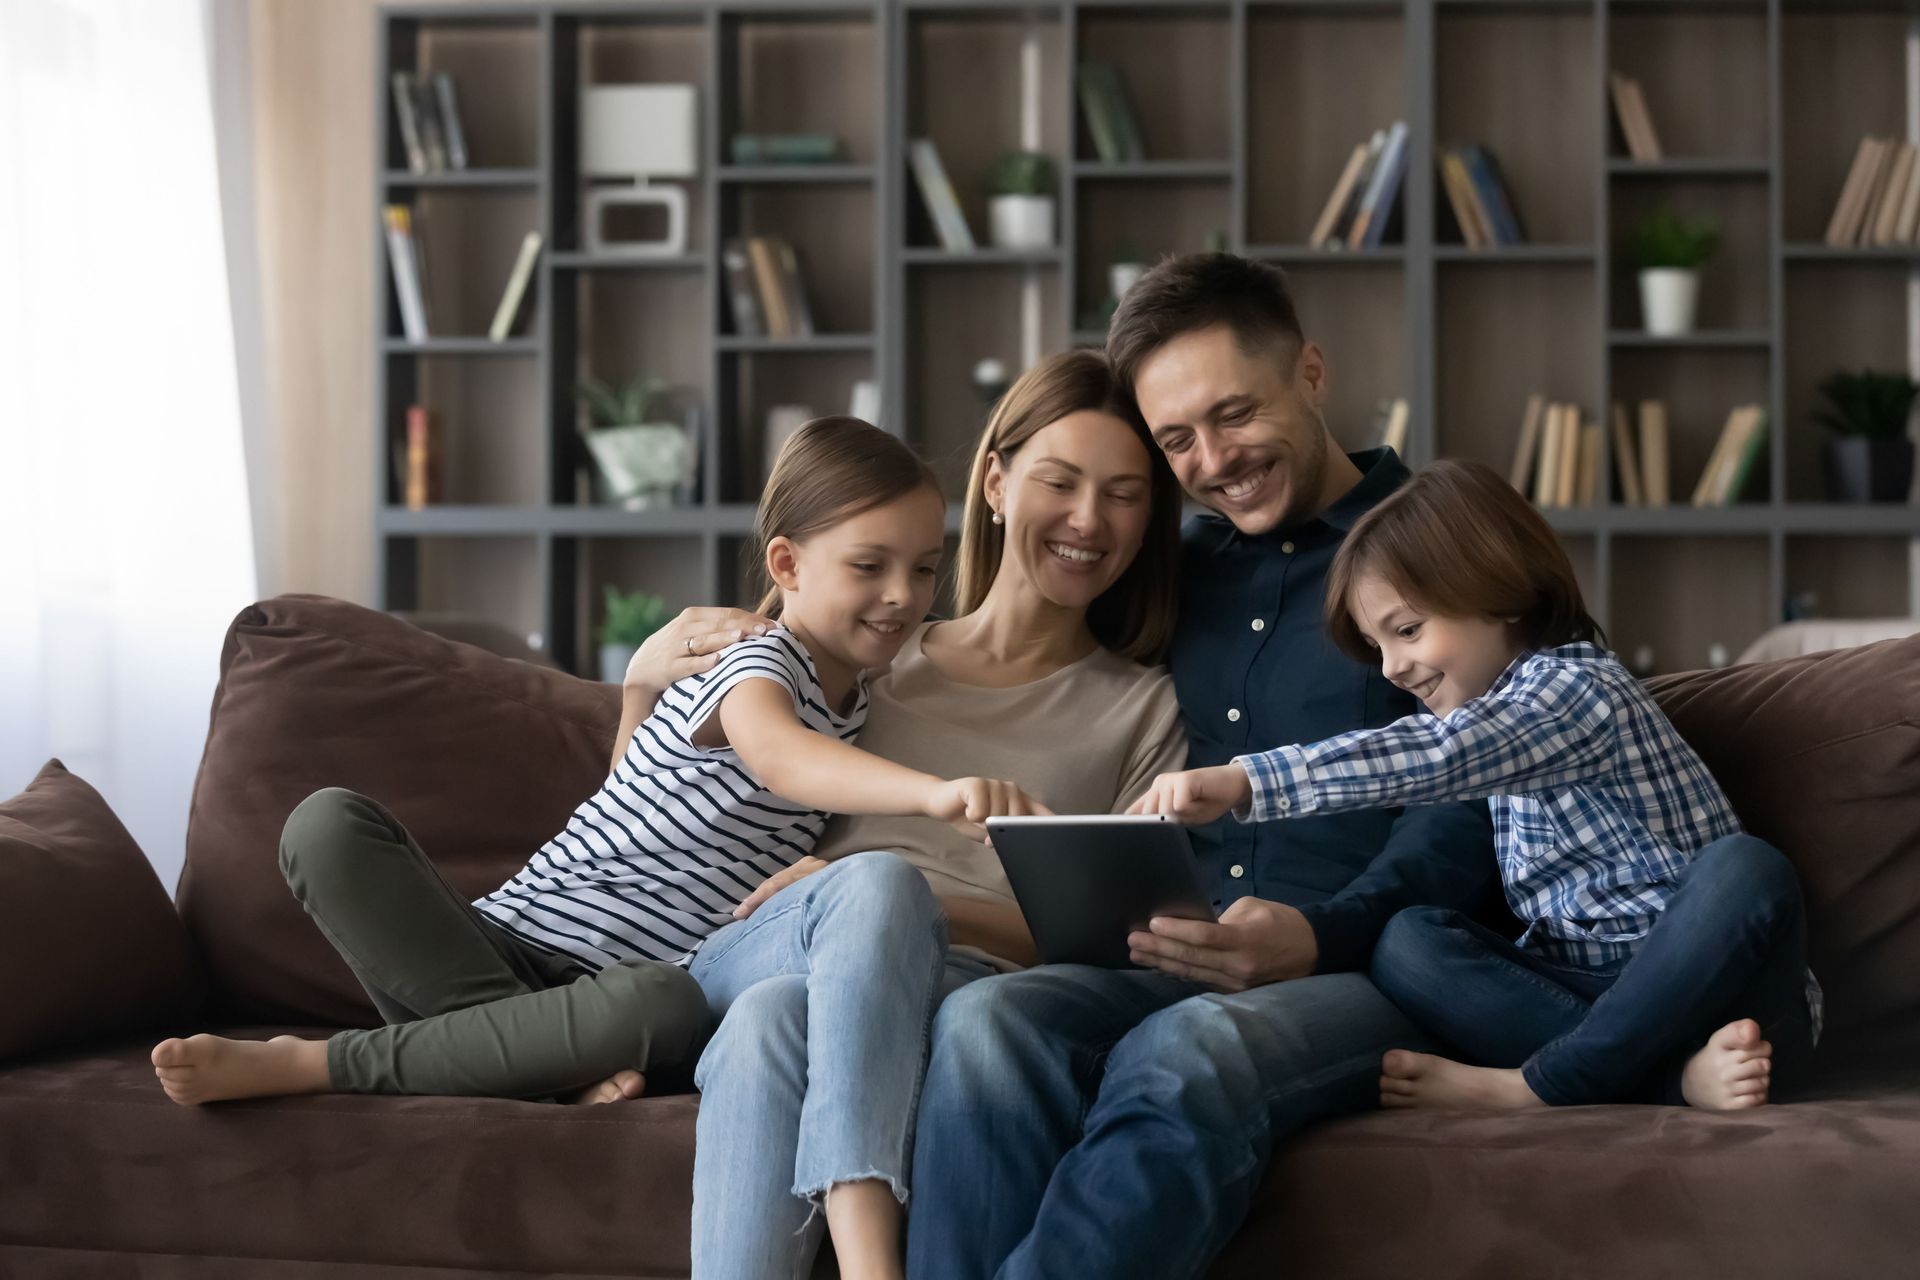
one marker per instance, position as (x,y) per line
(89,941)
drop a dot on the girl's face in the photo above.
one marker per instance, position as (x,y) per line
(1442,661)
(857,587)
(1075,497)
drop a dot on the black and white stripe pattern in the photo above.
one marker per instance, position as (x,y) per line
(678,835)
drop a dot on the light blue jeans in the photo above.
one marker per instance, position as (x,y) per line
(826,995)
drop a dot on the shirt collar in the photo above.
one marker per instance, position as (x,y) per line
(1381,472)
(1579,650)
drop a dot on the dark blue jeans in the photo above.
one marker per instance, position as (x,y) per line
(1116,1123)
(1730,944)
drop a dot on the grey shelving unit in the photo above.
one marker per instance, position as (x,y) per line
(1248,108)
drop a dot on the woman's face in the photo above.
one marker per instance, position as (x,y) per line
(1076,498)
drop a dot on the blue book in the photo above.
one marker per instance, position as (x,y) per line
(1370,227)
(1484,170)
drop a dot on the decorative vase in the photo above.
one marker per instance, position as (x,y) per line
(1860,469)
(614,660)
(642,465)
(1021,222)
(1668,299)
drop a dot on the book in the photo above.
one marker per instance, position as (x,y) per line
(1887,215)
(1491,188)
(766,278)
(1546,481)
(1708,486)
(1854,215)
(1370,221)
(1109,113)
(1593,460)
(424,458)
(1337,200)
(1751,447)
(406,272)
(1521,473)
(432,140)
(793,289)
(406,115)
(1655,464)
(784,148)
(1850,193)
(743,295)
(936,191)
(1343,224)
(1473,219)
(1626,462)
(1861,230)
(447,98)
(516,288)
(1907,229)
(1571,449)
(1636,122)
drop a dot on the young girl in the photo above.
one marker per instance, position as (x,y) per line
(1650,920)
(574,971)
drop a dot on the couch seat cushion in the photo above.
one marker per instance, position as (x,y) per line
(95,1157)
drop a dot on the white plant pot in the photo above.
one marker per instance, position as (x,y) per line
(1021,222)
(1668,299)
(1122,276)
(614,659)
(642,465)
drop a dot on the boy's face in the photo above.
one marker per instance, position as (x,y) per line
(1442,661)
(1243,433)
(857,587)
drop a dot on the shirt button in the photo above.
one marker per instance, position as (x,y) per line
(1233,714)
(1281,802)
(1259,624)
(1287,547)
(1236,871)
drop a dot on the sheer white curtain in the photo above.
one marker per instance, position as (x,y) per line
(125,545)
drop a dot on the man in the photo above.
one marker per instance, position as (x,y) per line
(1105,1123)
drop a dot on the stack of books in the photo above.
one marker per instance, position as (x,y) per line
(1735,454)
(1109,113)
(765,290)
(1558,458)
(427,109)
(1477,195)
(1635,121)
(1880,204)
(1362,211)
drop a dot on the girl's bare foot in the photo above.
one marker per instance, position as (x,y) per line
(206,1068)
(1426,1080)
(621,1086)
(1731,1071)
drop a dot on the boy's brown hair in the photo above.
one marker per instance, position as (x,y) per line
(1458,541)
(830,470)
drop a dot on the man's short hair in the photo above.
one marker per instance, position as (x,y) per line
(1198,291)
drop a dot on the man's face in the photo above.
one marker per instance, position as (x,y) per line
(1243,433)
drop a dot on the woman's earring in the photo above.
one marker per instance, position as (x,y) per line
(998,518)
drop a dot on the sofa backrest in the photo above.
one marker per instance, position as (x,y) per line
(482,757)
(1820,756)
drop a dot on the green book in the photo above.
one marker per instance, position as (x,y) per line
(1097,105)
(1750,451)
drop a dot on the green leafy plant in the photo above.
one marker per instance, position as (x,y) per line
(1022,173)
(631,617)
(621,406)
(1669,239)
(1869,404)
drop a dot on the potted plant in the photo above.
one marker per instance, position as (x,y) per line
(641,462)
(1869,457)
(631,617)
(1669,250)
(1020,210)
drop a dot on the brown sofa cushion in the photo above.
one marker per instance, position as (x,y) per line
(483,758)
(1821,756)
(89,942)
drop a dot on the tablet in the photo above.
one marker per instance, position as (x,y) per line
(1084,883)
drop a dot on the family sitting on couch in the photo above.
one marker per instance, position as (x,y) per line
(817,931)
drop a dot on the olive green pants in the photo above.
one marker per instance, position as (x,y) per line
(470,1009)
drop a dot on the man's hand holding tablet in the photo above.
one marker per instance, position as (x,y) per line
(1196,796)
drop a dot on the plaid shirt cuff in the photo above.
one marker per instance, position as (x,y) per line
(1281,787)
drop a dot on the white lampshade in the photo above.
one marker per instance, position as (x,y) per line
(639,131)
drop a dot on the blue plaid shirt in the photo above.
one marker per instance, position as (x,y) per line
(1597,802)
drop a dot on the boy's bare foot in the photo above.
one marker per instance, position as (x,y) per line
(1731,1071)
(621,1086)
(206,1068)
(1427,1080)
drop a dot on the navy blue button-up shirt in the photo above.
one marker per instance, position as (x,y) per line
(1255,669)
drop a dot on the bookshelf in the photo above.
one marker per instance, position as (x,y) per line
(1248,110)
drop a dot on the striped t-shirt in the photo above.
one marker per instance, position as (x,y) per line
(678,835)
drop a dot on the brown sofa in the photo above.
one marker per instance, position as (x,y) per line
(483,758)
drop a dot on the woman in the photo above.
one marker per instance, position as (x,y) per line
(1066,586)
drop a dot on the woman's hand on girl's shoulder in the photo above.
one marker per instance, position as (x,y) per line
(688,645)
